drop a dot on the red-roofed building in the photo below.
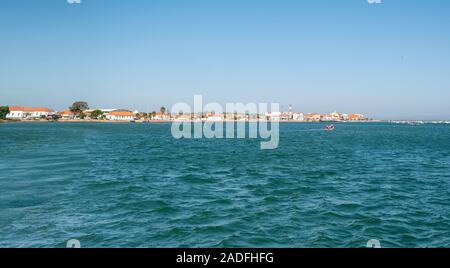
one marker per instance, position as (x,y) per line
(21,112)
(313,117)
(67,114)
(120,116)
(355,117)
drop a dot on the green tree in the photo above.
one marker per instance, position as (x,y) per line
(82,115)
(79,107)
(163,110)
(96,114)
(4,110)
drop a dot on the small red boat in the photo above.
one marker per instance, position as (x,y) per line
(329,127)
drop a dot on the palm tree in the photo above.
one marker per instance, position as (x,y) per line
(163,110)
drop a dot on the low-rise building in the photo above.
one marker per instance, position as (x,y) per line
(120,116)
(313,117)
(356,117)
(162,117)
(67,114)
(21,112)
(334,116)
(182,117)
(286,116)
(275,116)
(214,117)
(298,117)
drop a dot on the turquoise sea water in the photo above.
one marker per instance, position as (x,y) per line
(133,185)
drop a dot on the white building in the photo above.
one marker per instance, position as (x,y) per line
(214,118)
(120,116)
(20,112)
(334,116)
(161,117)
(67,114)
(298,117)
(275,116)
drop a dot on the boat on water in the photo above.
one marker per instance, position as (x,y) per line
(329,127)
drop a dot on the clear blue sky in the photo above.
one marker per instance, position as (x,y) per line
(389,60)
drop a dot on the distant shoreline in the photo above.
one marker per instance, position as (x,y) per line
(172,121)
(411,122)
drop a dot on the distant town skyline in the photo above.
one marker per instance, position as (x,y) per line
(386,61)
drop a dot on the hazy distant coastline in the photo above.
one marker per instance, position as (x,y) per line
(404,122)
